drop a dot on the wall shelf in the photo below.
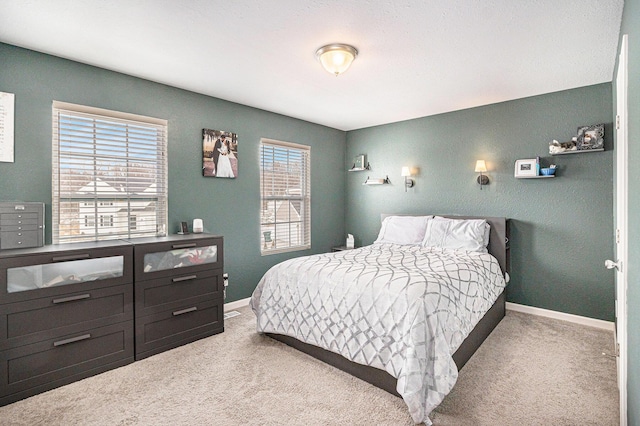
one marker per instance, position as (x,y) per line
(535,177)
(581,151)
(359,169)
(377,181)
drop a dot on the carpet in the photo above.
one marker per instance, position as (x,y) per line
(530,371)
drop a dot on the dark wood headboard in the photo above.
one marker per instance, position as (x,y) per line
(498,237)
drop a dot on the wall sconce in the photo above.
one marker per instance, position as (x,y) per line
(408,183)
(481,167)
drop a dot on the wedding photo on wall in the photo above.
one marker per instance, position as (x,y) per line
(219,153)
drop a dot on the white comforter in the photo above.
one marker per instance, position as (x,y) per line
(402,309)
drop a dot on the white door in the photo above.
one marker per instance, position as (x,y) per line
(621,227)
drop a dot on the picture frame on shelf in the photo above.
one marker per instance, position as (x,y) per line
(590,137)
(359,163)
(525,168)
(183,229)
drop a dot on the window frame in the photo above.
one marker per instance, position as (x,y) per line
(118,142)
(304,199)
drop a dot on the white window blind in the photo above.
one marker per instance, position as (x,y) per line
(285,197)
(109,174)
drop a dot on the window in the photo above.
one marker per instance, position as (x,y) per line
(285,197)
(106,220)
(89,220)
(109,174)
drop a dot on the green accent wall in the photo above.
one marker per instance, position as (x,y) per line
(228,207)
(561,228)
(631,26)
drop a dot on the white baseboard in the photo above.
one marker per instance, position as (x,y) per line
(577,319)
(237,304)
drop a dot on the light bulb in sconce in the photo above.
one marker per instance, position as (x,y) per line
(481,167)
(408,183)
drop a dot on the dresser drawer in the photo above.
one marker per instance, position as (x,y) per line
(20,227)
(35,320)
(21,208)
(57,361)
(56,270)
(17,239)
(8,219)
(169,329)
(162,294)
(177,256)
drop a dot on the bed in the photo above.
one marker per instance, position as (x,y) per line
(402,315)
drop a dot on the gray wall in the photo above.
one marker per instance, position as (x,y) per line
(631,26)
(229,207)
(562,228)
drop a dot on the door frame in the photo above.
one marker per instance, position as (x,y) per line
(621,233)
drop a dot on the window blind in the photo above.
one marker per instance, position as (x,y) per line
(109,174)
(285,197)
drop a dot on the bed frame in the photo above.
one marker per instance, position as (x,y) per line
(498,247)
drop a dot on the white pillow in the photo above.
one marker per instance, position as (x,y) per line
(403,229)
(457,234)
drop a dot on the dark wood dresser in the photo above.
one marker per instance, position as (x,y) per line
(179,291)
(74,310)
(66,312)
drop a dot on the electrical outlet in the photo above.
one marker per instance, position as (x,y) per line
(225,281)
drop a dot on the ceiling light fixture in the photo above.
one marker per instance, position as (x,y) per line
(336,58)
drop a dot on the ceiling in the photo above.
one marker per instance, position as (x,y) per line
(416,57)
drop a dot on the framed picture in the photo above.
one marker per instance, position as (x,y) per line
(184,228)
(219,154)
(360,161)
(590,137)
(526,168)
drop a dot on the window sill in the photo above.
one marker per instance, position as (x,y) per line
(284,250)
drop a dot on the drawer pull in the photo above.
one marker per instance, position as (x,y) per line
(185,311)
(179,246)
(71,298)
(185,278)
(70,257)
(72,340)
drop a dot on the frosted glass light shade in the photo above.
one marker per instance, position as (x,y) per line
(336,58)
(481,167)
(405,172)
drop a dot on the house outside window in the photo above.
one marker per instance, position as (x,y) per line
(109,173)
(285,197)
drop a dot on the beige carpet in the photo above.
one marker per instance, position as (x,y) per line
(531,371)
